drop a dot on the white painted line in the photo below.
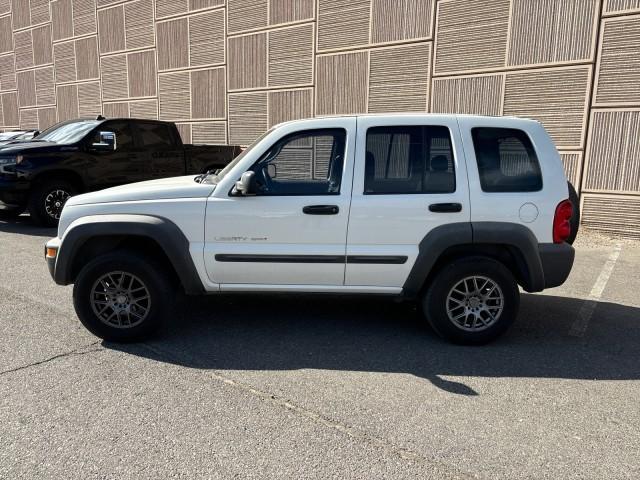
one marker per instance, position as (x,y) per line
(579,327)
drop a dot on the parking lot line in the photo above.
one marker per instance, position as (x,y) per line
(581,324)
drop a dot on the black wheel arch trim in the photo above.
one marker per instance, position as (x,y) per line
(163,231)
(535,274)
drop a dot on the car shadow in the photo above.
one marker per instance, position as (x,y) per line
(371,334)
(23,225)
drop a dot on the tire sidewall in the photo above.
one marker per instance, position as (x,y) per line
(150,274)
(435,297)
(37,207)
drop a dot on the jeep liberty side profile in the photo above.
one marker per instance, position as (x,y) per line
(454,211)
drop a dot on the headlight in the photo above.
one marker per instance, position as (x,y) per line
(10,160)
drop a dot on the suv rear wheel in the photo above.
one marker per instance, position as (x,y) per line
(122,297)
(472,301)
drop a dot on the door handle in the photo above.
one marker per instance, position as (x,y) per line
(321,209)
(445,207)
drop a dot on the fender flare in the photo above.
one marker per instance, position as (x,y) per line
(437,241)
(163,231)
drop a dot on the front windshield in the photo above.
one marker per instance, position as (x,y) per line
(67,133)
(223,173)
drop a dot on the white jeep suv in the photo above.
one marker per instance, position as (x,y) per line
(455,211)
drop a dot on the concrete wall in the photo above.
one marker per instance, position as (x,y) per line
(227,70)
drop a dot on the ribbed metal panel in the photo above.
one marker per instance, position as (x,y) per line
(341,83)
(86,52)
(209,132)
(206,38)
(479,95)
(64,61)
(399,78)
(343,24)
(114,78)
(614,151)
(394,20)
(173,44)
(41,38)
(138,22)
(184,129)
(166,8)
(572,162)
(175,96)
(46,117)
(247,14)
(141,68)
(284,11)
(89,104)
(67,102)
(285,105)
(612,214)
(84,17)
(26,82)
(247,61)
(619,64)
(61,19)
(117,109)
(10,108)
(556,97)
(472,35)
(208,93)
(7,72)
(39,11)
(20,13)
(45,89)
(291,56)
(111,29)
(6,36)
(144,109)
(5,6)
(24,49)
(248,117)
(28,118)
(617,6)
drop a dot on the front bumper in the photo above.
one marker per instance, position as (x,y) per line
(13,191)
(51,250)
(557,260)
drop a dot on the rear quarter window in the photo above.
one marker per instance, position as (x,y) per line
(507,161)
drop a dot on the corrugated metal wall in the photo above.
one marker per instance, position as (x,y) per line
(227,70)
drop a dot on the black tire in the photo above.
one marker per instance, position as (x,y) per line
(149,273)
(575,217)
(435,300)
(42,211)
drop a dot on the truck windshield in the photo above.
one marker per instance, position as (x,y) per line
(67,133)
(223,173)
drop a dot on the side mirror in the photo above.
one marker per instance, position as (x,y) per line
(106,143)
(272,170)
(244,185)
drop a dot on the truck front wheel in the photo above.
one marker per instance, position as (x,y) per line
(472,300)
(48,199)
(122,297)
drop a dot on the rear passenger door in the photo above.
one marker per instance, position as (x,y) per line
(162,151)
(410,177)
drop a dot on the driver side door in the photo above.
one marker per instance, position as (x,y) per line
(292,228)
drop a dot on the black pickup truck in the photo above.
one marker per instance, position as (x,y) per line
(90,154)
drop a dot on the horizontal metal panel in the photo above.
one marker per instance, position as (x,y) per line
(612,214)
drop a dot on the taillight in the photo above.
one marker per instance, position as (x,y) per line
(562,221)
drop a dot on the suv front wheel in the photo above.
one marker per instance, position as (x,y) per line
(122,297)
(472,301)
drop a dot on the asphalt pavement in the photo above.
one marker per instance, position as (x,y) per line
(277,386)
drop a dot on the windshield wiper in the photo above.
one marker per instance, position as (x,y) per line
(203,176)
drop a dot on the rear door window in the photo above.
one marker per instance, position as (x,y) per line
(409,159)
(155,135)
(507,161)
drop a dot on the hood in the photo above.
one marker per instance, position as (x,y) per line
(30,147)
(162,189)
